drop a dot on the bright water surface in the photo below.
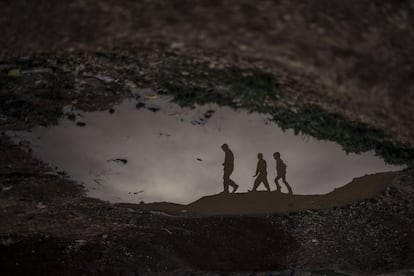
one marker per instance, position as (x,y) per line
(175,155)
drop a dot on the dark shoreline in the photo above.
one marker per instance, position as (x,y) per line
(262,202)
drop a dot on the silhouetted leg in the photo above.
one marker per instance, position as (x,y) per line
(256,184)
(266,183)
(287,184)
(233,185)
(278,188)
(226,180)
(261,180)
(225,186)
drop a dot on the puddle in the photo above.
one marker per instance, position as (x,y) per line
(158,151)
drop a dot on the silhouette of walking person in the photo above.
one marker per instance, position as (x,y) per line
(228,169)
(261,173)
(281,173)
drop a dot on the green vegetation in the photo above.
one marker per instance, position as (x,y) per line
(260,92)
(33,101)
(30,101)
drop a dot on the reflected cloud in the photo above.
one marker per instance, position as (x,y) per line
(162,150)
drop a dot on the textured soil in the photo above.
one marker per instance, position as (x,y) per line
(263,202)
(336,70)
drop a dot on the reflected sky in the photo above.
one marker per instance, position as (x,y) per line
(175,154)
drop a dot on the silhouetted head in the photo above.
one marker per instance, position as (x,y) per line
(260,155)
(276,155)
(224,147)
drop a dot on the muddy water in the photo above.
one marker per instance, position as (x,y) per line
(174,154)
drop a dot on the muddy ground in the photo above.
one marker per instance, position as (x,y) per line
(335,70)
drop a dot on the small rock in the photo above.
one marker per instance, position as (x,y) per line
(38,71)
(104,236)
(80,242)
(200,121)
(147,93)
(41,206)
(7,242)
(81,124)
(167,230)
(130,84)
(14,73)
(119,160)
(7,67)
(104,78)
(150,96)
(177,45)
(6,188)
(153,108)
(140,105)
(199,159)
(162,92)
(208,113)
(111,111)
(71,117)
(67,109)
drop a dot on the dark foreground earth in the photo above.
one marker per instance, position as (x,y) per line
(336,70)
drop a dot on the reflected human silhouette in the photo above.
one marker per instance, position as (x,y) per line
(281,173)
(228,167)
(261,173)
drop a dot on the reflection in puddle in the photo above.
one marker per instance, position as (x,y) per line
(158,151)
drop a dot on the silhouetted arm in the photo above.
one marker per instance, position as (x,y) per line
(257,170)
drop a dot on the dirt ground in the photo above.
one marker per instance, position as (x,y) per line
(335,70)
(263,202)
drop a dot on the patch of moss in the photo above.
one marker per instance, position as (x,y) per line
(30,104)
(197,84)
(259,91)
(194,83)
(352,136)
